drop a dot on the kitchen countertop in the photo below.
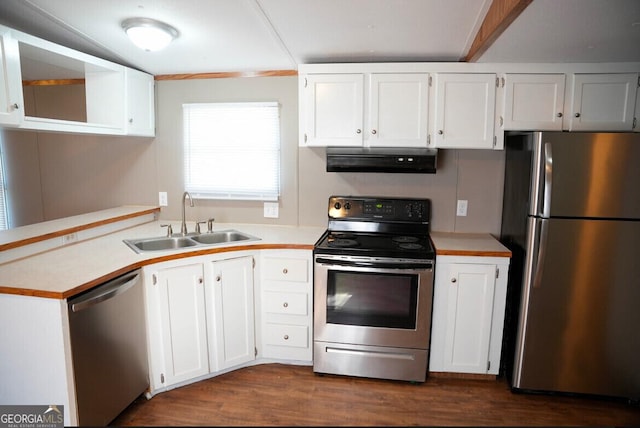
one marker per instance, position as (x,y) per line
(67,270)
(468,244)
(71,269)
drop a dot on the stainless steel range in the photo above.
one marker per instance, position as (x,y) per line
(373,289)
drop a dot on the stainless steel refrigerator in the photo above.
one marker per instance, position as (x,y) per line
(571,216)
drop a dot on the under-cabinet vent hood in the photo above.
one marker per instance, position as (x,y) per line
(382,159)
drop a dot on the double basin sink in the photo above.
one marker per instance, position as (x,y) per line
(176,242)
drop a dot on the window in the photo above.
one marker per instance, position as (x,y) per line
(232,150)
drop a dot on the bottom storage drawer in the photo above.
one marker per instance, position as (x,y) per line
(286,335)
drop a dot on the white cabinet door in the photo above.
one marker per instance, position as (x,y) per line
(140,111)
(636,116)
(465,110)
(602,102)
(230,313)
(533,102)
(463,316)
(398,110)
(180,293)
(11,106)
(333,109)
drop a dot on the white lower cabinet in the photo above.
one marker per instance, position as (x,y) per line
(229,302)
(468,314)
(286,305)
(199,318)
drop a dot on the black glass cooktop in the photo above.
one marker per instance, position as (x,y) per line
(375,245)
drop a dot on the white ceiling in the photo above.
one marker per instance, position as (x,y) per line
(259,35)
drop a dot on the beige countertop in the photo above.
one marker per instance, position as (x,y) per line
(67,270)
(468,244)
(70,269)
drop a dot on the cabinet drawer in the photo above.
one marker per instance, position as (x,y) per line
(281,269)
(285,303)
(287,335)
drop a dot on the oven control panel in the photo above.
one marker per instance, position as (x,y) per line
(387,209)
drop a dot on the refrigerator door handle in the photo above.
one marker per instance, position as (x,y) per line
(548,178)
(541,251)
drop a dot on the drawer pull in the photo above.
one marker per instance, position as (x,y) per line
(286,337)
(285,304)
(285,271)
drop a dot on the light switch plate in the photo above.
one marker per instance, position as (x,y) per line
(271,209)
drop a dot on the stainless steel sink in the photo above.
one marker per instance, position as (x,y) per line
(193,240)
(221,237)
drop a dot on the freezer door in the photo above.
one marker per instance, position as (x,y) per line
(579,313)
(592,175)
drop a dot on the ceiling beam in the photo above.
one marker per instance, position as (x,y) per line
(500,15)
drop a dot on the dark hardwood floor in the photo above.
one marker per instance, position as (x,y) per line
(274,394)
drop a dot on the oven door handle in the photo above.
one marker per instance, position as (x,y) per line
(374,264)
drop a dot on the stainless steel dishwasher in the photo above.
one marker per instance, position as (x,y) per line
(109,348)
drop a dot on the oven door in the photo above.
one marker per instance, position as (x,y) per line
(373,302)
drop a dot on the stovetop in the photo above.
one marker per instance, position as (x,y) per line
(377,227)
(376,245)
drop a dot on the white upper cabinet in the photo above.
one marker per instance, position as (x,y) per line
(533,102)
(10,95)
(140,96)
(48,87)
(601,102)
(464,110)
(334,114)
(398,110)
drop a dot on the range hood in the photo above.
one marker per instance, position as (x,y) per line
(382,159)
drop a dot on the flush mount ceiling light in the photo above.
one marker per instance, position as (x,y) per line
(149,34)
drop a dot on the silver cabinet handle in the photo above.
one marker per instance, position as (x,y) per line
(577,115)
(454,280)
(286,337)
(559,114)
(440,132)
(358,131)
(218,278)
(373,131)
(285,271)
(285,304)
(15,106)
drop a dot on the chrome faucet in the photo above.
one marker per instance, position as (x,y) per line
(183,228)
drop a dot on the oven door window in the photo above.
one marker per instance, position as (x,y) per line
(372,299)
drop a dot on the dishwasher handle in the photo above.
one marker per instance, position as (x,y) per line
(106,291)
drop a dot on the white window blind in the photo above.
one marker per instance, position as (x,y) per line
(232,150)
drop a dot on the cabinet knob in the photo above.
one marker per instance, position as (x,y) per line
(285,304)
(286,337)
(559,114)
(200,280)
(15,106)
(454,280)
(218,278)
(440,132)
(130,120)
(285,271)
(577,115)
(373,131)
(358,131)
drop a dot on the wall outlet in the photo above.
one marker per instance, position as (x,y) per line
(271,209)
(70,238)
(461,210)
(162,199)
